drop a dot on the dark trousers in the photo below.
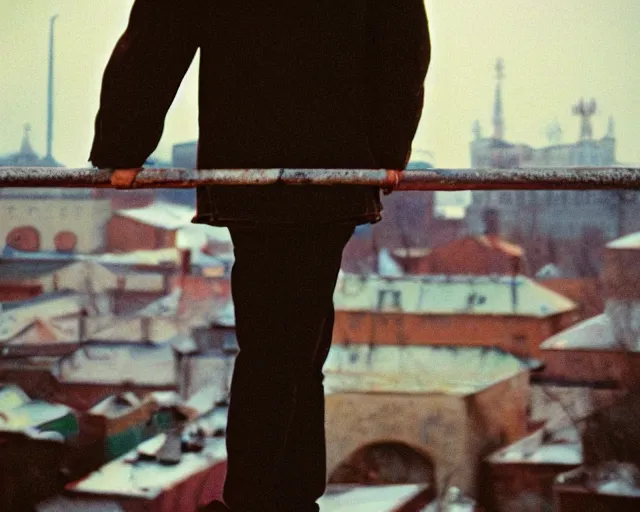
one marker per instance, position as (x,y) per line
(282,285)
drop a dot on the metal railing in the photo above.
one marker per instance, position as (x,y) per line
(414,179)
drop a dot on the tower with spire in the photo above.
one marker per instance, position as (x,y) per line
(522,211)
(48,159)
(498,119)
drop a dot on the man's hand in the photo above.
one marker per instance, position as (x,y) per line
(124,178)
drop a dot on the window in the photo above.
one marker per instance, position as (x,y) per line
(389,299)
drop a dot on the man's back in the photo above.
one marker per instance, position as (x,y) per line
(320,84)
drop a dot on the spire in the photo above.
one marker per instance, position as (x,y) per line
(611,128)
(477,130)
(498,121)
(49,156)
(25,148)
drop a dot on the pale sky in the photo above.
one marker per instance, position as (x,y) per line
(554,52)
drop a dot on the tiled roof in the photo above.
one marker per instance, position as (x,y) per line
(449,295)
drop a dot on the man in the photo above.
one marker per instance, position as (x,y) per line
(283,84)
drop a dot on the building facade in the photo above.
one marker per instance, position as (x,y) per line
(563,214)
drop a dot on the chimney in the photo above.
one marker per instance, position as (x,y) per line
(82,325)
(491,218)
(145,328)
(185,265)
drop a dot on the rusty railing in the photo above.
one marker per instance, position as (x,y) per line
(415,179)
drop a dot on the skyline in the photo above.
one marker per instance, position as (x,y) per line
(539,42)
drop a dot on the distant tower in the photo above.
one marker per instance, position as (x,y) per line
(498,120)
(611,128)
(477,130)
(585,110)
(49,156)
(26,151)
(554,133)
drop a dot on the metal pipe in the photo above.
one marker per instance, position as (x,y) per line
(415,179)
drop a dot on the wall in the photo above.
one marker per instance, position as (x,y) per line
(585,292)
(124,235)
(518,335)
(433,424)
(455,432)
(88,219)
(607,368)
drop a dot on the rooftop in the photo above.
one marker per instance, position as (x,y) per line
(141,365)
(500,244)
(449,295)
(161,214)
(148,480)
(595,333)
(23,314)
(381,498)
(31,414)
(411,369)
(21,270)
(631,241)
(569,454)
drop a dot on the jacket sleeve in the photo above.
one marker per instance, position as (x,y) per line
(399,55)
(141,79)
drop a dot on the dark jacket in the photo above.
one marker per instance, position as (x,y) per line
(287,83)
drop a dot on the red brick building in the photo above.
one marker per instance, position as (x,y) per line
(476,255)
(514,314)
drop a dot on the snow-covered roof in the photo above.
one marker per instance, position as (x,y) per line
(548,271)
(31,414)
(165,306)
(631,241)
(12,396)
(147,481)
(416,369)
(447,295)
(161,214)
(387,266)
(381,498)
(560,453)
(16,318)
(594,333)
(116,405)
(161,329)
(51,260)
(600,332)
(196,235)
(115,365)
